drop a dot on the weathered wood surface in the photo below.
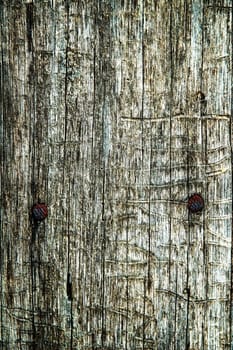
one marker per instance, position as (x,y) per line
(101,119)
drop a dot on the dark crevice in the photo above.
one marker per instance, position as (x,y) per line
(29,21)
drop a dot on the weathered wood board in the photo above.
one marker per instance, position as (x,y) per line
(114,113)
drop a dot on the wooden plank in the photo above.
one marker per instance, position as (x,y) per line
(103,118)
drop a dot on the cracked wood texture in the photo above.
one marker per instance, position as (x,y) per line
(114,113)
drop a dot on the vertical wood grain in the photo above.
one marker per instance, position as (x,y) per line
(113,113)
